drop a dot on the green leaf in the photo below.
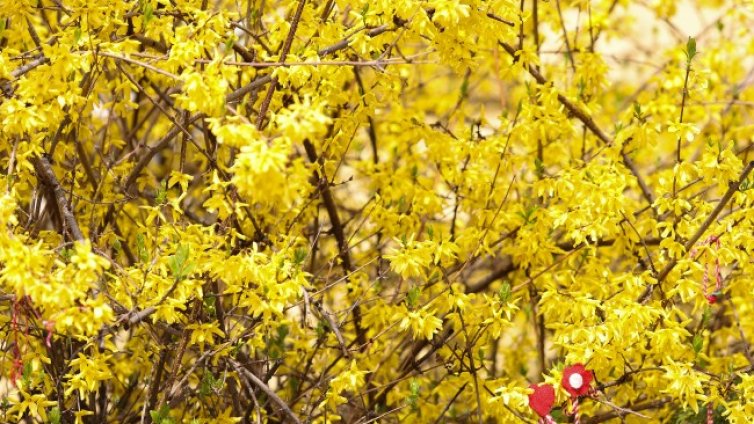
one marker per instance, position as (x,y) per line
(413,297)
(690,48)
(26,376)
(209,302)
(162,194)
(706,315)
(413,397)
(539,167)
(229,42)
(66,254)
(294,384)
(697,343)
(141,248)
(282,332)
(148,12)
(637,111)
(54,415)
(299,256)
(162,416)
(505,292)
(276,344)
(208,381)
(178,263)
(321,329)
(116,245)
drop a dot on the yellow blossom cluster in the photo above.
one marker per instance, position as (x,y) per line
(375,210)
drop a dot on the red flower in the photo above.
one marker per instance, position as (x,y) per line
(576,380)
(712,298)
(542,399)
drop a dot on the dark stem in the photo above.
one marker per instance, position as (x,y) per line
(337,229)
(565,37)
(47,177)
(283,54)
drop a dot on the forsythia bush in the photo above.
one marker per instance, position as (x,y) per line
(376,211)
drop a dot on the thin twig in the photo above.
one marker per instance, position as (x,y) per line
(408,60)
(453,399)
(283,54)
(342,44)
(138,63)
(266,389)
(569,51)
(656,404)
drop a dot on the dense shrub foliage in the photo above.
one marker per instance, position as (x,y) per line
(394,210)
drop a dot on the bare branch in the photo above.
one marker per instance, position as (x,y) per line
(265,388)
(47,177)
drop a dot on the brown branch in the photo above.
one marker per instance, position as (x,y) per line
(179,357)
(337,228)
(242,51)
(331,321)
(565,36)
(153,386)
(371,130)
(407,60)
(539,330)
(472,368)
(283,54)
(448,405)
(506,268)
(47,177)
(175,130)
(655,404)
(499,19)
(153,150)
(150,43)
(246,89)
(342,44)
(266,389)
(21,70)
(684,96)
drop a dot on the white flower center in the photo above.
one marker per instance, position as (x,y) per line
(576,380)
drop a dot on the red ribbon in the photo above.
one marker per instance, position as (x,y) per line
(713,297)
